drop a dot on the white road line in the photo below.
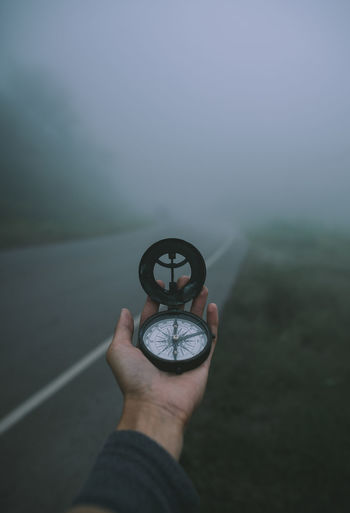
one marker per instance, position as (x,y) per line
(220,251)
(72,372)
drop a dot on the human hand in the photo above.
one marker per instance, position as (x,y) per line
(158,403)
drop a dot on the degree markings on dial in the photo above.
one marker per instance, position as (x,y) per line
(160,343)
(165,348)
(186,349)
(165,334)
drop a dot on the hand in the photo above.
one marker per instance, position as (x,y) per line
(158,403)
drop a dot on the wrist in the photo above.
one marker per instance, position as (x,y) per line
(155,421)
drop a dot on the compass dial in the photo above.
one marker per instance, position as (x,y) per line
(175,339)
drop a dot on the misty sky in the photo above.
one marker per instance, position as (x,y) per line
(237,106)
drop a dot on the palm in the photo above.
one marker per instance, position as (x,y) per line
(139,378)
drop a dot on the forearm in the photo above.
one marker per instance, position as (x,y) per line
(164,427)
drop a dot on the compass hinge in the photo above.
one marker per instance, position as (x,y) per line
(172,287)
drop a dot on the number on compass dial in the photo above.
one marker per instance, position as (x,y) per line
(175,339)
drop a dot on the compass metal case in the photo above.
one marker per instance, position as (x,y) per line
(174,340)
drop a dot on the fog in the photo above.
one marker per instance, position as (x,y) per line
(236,108)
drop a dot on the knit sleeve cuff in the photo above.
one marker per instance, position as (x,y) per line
(134,473)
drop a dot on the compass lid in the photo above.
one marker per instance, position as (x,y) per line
(173,296)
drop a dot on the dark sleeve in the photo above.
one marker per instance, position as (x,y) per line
(135,474)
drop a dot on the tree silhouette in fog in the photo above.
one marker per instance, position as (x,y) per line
(49,169)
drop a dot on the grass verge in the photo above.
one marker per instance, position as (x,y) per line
(273,434)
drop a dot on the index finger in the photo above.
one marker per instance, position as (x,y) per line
(213,322)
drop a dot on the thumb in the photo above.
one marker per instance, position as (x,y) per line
(125,328)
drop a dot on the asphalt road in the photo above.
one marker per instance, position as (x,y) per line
(58,303)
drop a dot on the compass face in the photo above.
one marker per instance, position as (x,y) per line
(175,339)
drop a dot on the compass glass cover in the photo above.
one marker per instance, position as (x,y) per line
(175,339)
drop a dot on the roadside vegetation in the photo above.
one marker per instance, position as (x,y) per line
(273,432)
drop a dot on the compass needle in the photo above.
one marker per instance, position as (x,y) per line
(186,337)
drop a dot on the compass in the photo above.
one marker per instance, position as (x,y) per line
(174,340)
